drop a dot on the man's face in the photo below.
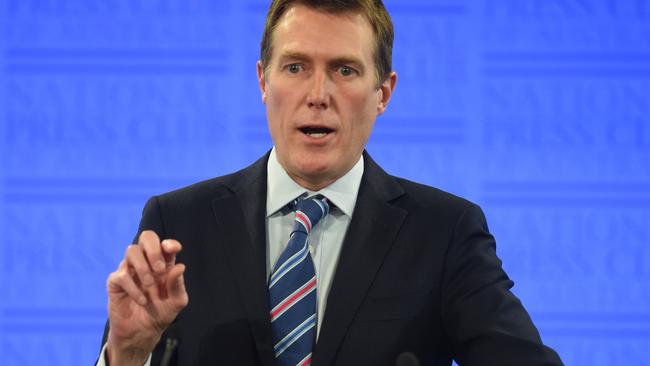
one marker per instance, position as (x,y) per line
(321,94)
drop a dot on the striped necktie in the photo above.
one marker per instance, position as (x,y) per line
(292,289)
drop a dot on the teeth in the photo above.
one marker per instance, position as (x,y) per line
(317,135)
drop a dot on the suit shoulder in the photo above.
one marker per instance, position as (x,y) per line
(434,206)
(429,197)
(204,188)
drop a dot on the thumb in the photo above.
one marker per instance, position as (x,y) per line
(170,249)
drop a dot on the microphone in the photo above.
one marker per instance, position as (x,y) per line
(170,344)
(407,359)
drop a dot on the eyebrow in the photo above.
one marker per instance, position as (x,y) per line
(295,55)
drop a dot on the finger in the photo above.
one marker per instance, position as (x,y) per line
(170,248)
(123,265)
(129,270)
(151,245)
(135,258)
(176,284)
(121,281)
(169,279)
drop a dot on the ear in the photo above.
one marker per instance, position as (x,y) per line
(261,79)
(385,92)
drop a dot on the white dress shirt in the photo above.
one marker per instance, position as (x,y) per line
(325,240)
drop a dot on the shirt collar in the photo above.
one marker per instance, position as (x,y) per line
(281,189)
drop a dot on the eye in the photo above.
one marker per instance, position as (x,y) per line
(294,68)
(346,70)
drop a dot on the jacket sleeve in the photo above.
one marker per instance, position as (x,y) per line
(486,323)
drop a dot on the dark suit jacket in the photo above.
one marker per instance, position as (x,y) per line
(417,272)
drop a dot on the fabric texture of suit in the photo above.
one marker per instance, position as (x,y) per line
(418,272)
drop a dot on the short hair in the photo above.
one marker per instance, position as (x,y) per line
(373,10)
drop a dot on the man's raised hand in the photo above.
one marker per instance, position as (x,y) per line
(145,294)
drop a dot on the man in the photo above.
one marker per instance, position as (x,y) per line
(400,268)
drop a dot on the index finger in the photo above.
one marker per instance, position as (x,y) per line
(150,242)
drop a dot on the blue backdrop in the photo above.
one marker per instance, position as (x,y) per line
(535,109)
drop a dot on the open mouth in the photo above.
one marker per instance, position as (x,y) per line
(316,132)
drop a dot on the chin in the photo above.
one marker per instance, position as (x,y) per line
(314,169)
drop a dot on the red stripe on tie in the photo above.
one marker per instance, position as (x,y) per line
(304,219)
(306,362)
(289,301)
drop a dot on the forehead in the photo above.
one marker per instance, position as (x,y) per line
(316,32)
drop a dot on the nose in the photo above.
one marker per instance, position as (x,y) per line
(319,93)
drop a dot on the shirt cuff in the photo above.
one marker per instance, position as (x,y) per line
(102,358)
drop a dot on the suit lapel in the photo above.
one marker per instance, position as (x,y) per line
(373,228)
(240,215)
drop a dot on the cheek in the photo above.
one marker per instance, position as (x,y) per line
(364,112)
(283,101)
(275,109)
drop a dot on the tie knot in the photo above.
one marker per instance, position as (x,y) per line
(310,211)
